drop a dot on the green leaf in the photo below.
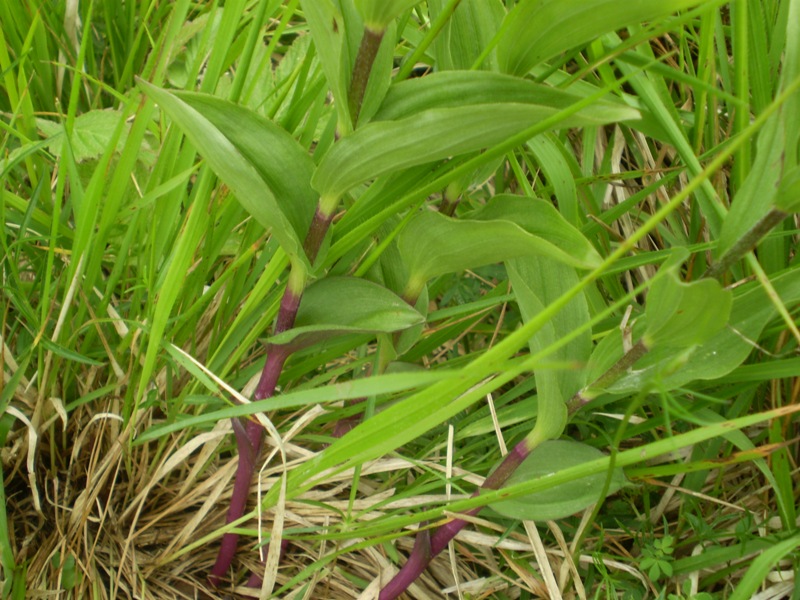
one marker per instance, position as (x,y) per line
(680,315)
(443,124)
(559,167)
(328,30)
(761,566)
(451,89)
(92,132)
(469,30)
(562,500)
(541,218)
(337,28)
(377,14)
(380,76)
(757,194)
(536,30)
(788,196)
(433,244)
(727,349)
(336,306)
(261,163)
(69,354)
(536,282)
(280,160)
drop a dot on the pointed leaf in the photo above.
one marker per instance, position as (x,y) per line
(439,130)
(433,244)
(758,192)
(539,217)
(537,30)
(328,30)
(727,349)
(536,282)
(788,196)
(250,155)
(559,167)
(336,306)
(451,89)
(562,500)
(468,31)
(680,315)
(280,160)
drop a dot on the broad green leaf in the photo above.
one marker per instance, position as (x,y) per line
(432,134)
(282,163)
(468,31)
(727,349)
(537,281)
(336,306)
(377,14)
(610,347)
(541,218)
(562,500)
(91,134)
(249,154)
(330,29)
(680,315)
(451,89)
(433,244)
(537,30)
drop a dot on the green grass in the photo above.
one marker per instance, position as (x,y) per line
(135,288)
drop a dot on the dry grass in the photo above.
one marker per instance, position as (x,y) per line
(132,519)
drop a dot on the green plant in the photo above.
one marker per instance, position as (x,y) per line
(657,558)
(352,198)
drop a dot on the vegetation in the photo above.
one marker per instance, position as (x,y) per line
(297,295)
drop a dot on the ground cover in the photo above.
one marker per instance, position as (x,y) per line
(361,299)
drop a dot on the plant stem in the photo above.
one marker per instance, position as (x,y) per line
(617,370)
(367,51)
(316,232)
(745,243)
(250,434)
(250,438)
(450,200)
(427,546)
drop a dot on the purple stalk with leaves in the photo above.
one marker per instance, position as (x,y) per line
(250,433)
(450,130)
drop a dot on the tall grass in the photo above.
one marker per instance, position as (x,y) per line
(138,291)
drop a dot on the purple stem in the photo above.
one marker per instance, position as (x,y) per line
(250,434)
(345,425)
(316,233)
(426,550)
(249,439)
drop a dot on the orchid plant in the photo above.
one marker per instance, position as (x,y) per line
(368,213)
